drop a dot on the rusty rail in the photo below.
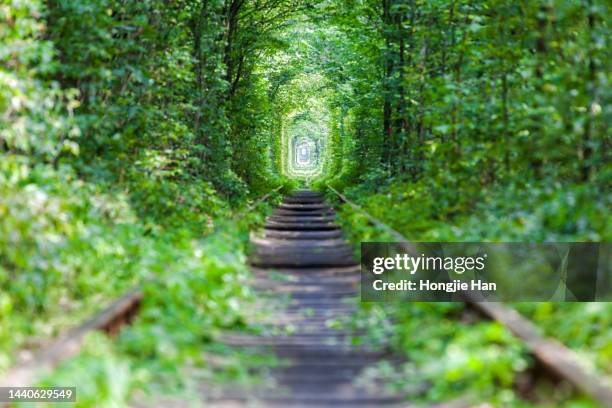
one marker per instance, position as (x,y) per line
(110,320)
(553,355)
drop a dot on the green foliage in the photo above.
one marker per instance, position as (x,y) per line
(59,241)
(197,290)
(542,212)
(583,327)
(480,356)
(129,130)
(114,162)
(104,377)
(455,354)
(474,121)
(472,94)
(34,111)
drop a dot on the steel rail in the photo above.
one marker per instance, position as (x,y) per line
(552,354)
(119,312)
(109,320)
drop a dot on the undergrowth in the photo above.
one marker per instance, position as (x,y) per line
(449,349)
(68,248)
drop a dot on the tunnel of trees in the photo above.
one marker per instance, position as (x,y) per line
(134,134)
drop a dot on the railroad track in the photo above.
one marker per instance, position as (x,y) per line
(302,243)
(320,366)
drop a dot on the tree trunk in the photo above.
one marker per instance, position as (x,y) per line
(586,148)
(387,110)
